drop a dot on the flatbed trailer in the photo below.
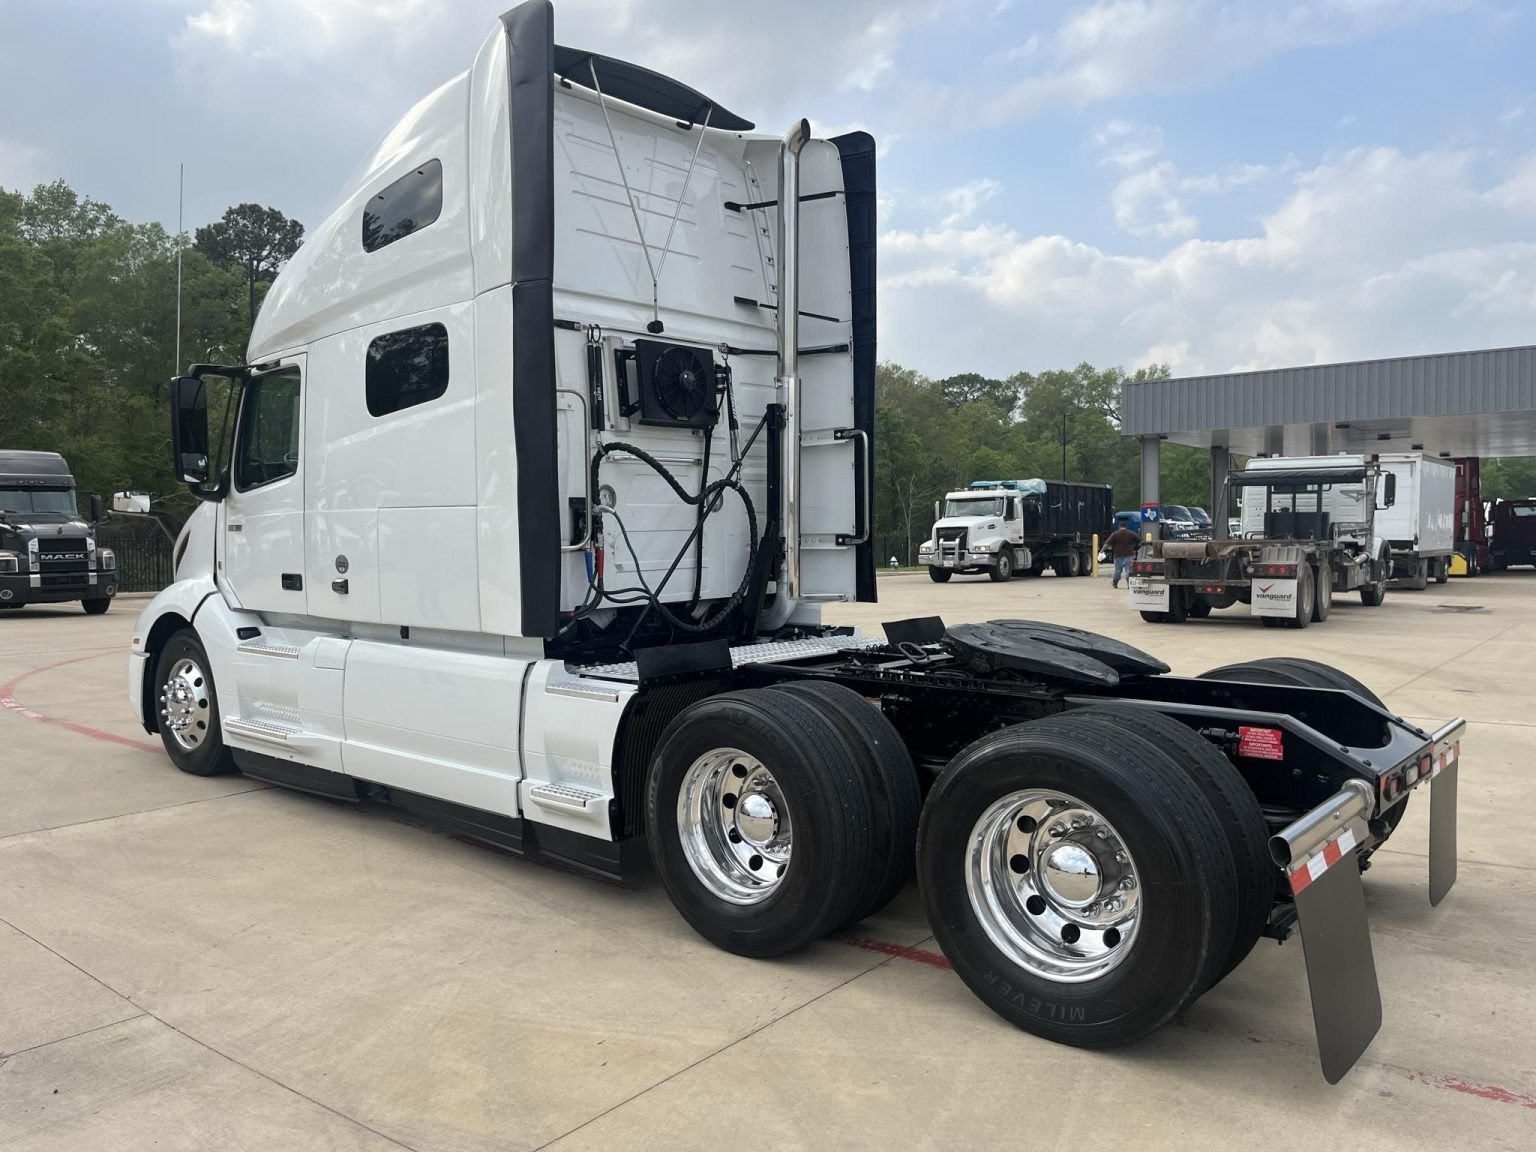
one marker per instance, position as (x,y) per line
(433,567)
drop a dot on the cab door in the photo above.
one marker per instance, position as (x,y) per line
(262,561)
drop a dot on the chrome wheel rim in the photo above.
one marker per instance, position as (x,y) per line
(184,704)
(734,825)
(1053,886)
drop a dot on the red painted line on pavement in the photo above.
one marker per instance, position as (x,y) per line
(9,702)
(1481,1091)
(886,948)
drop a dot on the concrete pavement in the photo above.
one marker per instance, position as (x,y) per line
(199,964)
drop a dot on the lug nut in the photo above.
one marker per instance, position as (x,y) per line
(1081,821)
(1058,829)
(1127,883)
(1114,904)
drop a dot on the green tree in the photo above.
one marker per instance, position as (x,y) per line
(256,240)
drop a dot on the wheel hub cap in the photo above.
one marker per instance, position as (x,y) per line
(1070,875)
(1053,885)
(734,826)
(184,708)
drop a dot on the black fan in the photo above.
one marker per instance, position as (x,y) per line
(677,385)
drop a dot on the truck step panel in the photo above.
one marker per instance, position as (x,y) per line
(564,796)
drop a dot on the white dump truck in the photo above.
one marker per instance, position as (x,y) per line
(548,449)
(1420,525)
(1010,527)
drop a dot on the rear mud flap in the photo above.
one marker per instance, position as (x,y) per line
(1317,853)
(1341,968)
(1442,828)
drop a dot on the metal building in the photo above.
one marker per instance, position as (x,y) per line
(1450,404)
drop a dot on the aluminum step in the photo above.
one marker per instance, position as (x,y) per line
(260,647)
(556,795)
(266,731)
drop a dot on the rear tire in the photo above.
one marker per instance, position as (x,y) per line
(1085,562)
(1420,576)
(897,792)
(1199,609)
(1027,958)
(1306,598)
(1442,570)
(939,575)
(1322,598)
(187,708)
(1073,562)
(1235,806)
(766,879)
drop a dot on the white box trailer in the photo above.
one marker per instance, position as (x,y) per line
(484,543)
(1420,526)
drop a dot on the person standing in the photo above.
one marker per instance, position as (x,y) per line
(1122,544)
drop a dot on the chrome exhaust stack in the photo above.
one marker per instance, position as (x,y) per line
(787,378)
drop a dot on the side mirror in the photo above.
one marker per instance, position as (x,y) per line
(936,510)
(97,511)
(189,429)
(1389,492)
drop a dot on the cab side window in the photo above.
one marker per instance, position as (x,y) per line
(268,448)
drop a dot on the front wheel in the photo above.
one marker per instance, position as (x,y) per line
(188,707)
(96,607)
(939,575)
(1003,569)
(1374,594)
(1077,879)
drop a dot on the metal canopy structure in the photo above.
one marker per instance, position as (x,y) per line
(1479,403)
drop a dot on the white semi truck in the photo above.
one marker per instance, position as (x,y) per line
(549,446)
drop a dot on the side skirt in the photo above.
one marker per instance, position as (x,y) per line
(611,859)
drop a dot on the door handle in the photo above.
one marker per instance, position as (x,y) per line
(339,586)
(293,582)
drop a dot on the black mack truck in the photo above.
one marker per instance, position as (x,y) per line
(48,554)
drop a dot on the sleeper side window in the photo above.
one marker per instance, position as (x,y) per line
(406,368)
(268,448)
(408,205)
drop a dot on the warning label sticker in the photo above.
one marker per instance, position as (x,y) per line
(1260,743)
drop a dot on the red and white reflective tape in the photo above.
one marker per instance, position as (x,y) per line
(1320,861)
(1445,759)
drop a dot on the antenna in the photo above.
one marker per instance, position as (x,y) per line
(181,181)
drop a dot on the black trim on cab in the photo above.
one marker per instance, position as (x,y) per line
(531,50)
(857,150)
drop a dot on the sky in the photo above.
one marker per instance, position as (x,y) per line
(1210,184)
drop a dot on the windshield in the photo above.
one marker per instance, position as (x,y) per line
(1176,512)
(991,506)
(57,500)
(1198,515)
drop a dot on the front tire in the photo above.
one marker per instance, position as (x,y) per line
(1002,571)
(1374,594)
(97,607)
(760,820)
(187,704)
(1077,880)
(939,575)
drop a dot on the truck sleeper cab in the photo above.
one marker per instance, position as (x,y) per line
(527,526)
(48,554)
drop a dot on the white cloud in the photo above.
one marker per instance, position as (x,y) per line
(963,201)
(1375,252)
(1511,115)
(1150,198)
